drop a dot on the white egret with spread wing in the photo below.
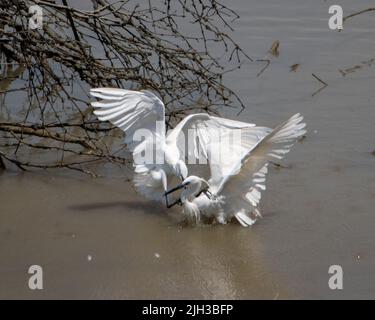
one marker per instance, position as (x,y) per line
(142,110)
(237,193)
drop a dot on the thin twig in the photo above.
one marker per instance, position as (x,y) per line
(267,61)
(358,13)
(324,84)
(116,44)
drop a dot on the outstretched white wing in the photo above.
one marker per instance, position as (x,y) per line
(211,145)
(143,111)
(242,187)
(230,148)
(131,110)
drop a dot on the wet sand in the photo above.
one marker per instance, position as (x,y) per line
(318,211)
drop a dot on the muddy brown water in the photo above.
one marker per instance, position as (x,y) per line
(96,238)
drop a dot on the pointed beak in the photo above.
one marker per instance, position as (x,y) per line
(180,186)
(178,201)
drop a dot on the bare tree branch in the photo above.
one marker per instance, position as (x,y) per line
(358,13)
(113,44)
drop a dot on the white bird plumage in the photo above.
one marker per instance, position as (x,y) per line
(236,174)
(237,193)
(134,110)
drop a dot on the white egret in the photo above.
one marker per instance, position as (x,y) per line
(237,193)
(138,110)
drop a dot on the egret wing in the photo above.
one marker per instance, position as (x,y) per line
(141,115)
(131,110)
(230,148)
(242,187)
(210,145)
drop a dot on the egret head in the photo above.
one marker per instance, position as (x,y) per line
(181,169)
(192,186)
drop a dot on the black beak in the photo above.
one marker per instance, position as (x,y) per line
(180,186)
(178,201)
(206,192)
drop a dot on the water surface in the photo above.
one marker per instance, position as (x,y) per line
(318,210)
